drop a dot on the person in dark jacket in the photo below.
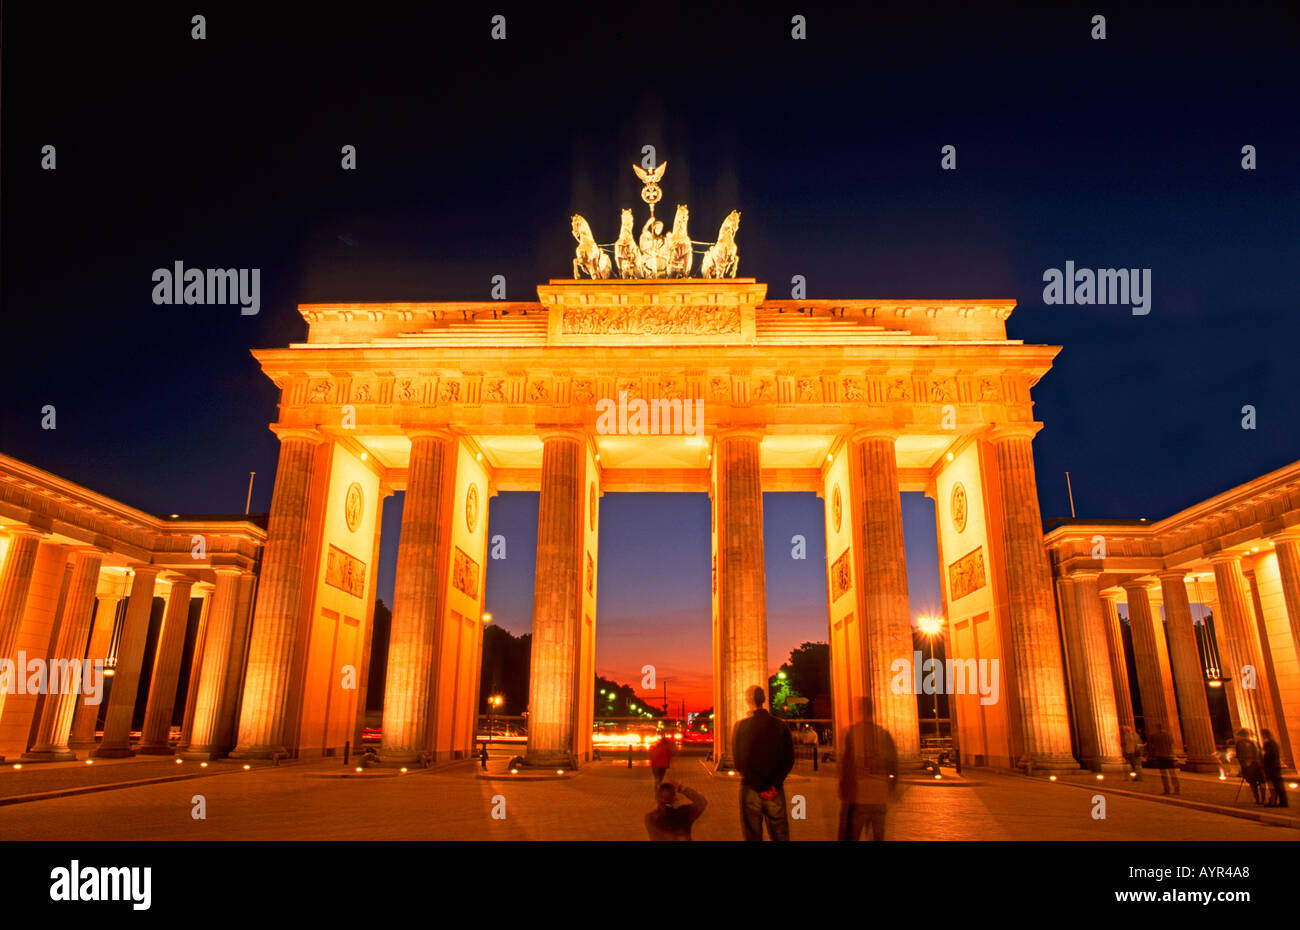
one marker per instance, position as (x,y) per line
(764,755)
(1271,757)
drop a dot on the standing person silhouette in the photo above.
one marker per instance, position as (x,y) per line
(764,755)
(1161,746)
(1271,758)
(868,776)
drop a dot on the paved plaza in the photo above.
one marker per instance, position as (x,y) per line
(604,801)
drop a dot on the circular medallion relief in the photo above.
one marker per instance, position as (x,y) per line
(591,505)
(837,508)
(958,507)
(471,507)
(352,504)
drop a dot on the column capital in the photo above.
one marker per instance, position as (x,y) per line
(575,433)
(1173,575)
(1289,535)
(22,529)
(863,433)
(309,433)
(1142,584)
(739,432)
(430,432)
(1078,576)
(998,432)
(1225,558)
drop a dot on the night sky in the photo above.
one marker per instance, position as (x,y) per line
(472,154)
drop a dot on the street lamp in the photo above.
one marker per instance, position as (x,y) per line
(494,702)
(931,626)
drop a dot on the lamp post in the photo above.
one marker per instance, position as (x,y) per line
(494,702)
(931,626)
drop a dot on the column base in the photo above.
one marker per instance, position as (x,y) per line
(258,752)
(399,756)
(550,759)
(1050,765)
(155,749)
(726,764)
(1202,765)
(82,743)
(49,755)
(200,754)
(112,752)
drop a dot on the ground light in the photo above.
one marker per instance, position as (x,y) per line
(203,765)
(403,769)
(1052,778)
(247,767)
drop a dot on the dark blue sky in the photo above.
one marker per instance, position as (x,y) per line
(472,154)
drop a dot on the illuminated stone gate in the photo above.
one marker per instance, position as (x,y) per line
(856,400)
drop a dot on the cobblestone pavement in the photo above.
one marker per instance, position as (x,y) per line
(37,777)
(1202,787)
(604,801)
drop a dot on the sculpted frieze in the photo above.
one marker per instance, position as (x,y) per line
(652,320)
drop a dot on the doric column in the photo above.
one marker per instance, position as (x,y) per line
(101,640)
(418,596)
(1157,695)
(211,671)
(196,665)
(1287,546)
(881,562)
(1099,722)
(69,646)
(155,735)
(1237,623)
(235,662)
(1272,696)
(1118,661)
(557,592)
(126,674)
(1035,647)
(279,599)
(742,585)
(15,579)
(1189,674)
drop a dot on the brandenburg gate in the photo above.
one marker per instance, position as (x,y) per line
(452,402)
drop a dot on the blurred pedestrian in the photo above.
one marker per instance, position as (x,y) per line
(661,756)
(1160,744)
(1128,741)
(1248,758)
(1271,761)
(483,755)
(764,754)
(673,822)
(868,776)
